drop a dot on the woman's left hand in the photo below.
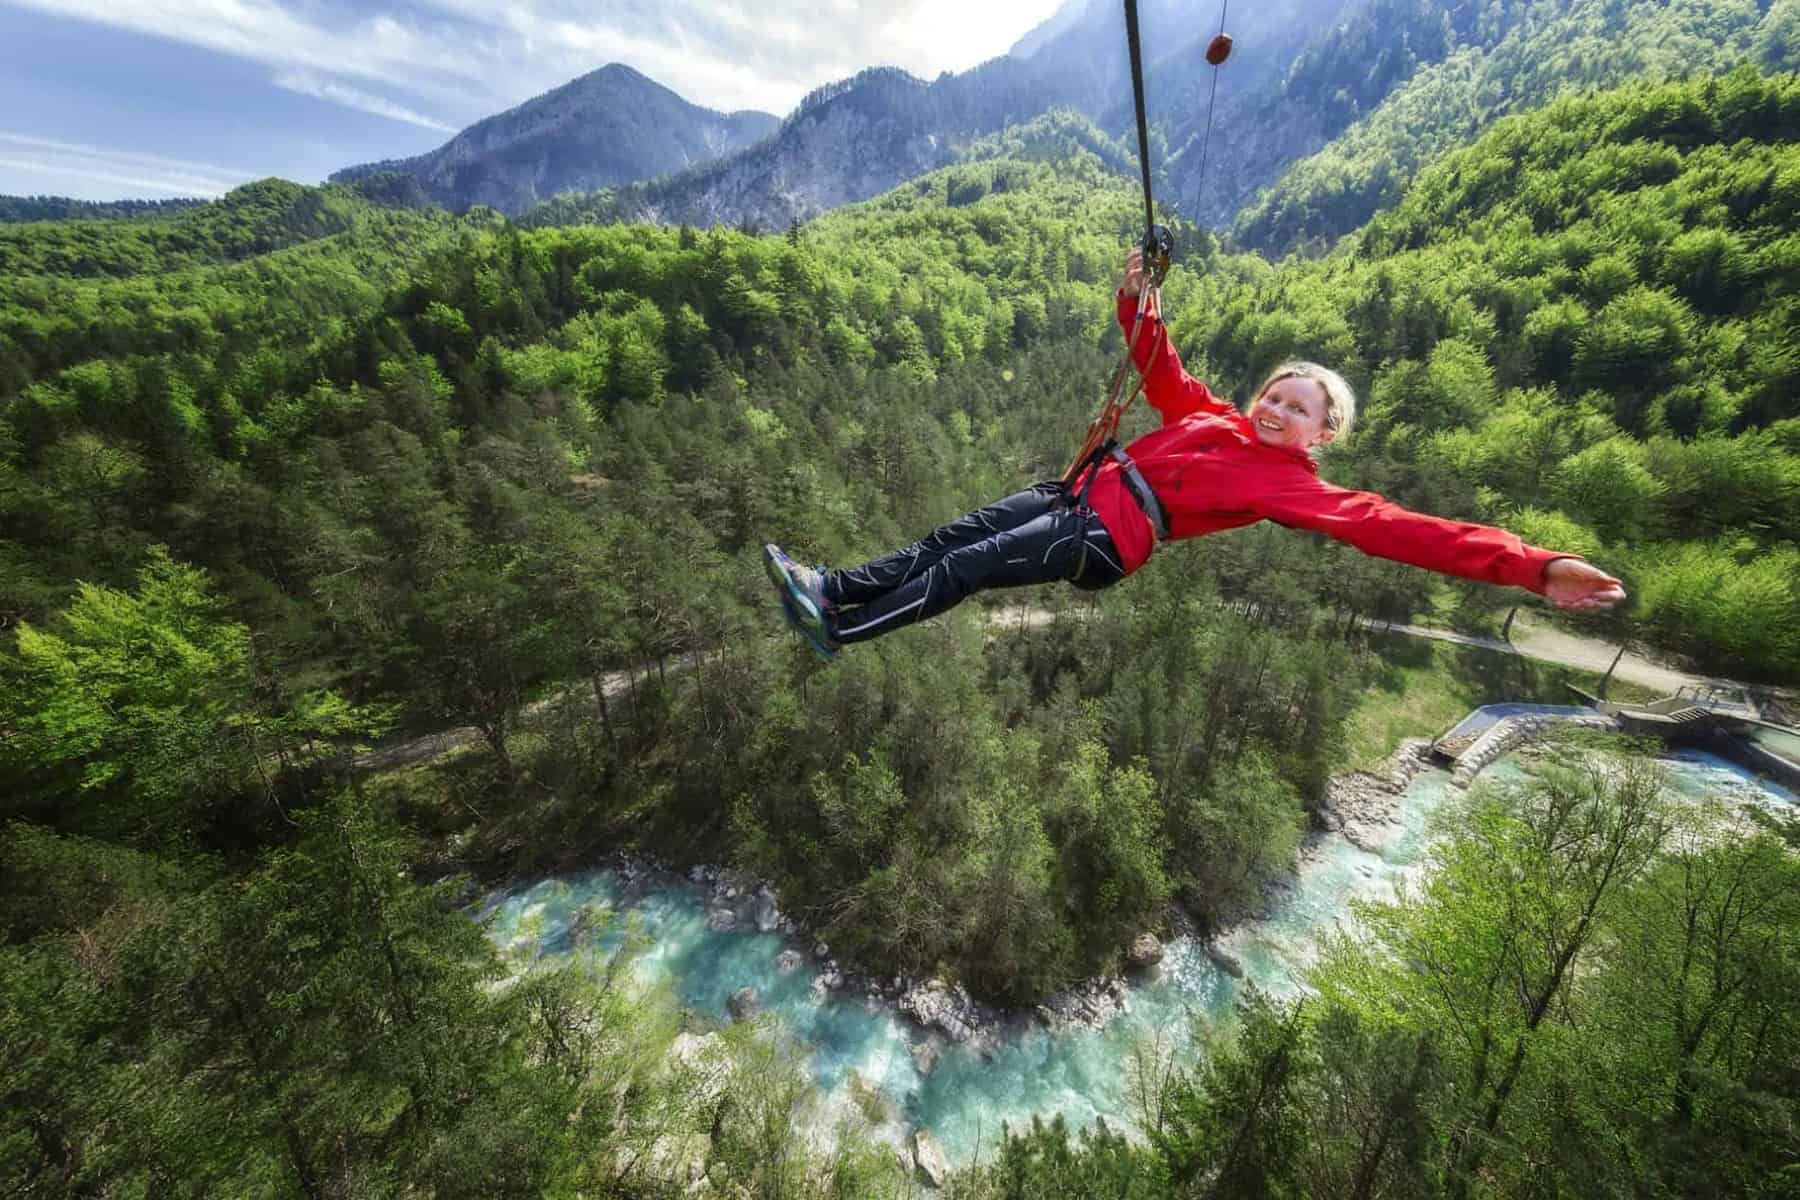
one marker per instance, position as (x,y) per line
(1135,275)
(1571,583)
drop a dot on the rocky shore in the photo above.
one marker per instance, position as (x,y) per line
(1362,806)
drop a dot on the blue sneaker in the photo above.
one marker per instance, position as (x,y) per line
(802,592)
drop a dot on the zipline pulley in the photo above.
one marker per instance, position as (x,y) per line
(1159,249)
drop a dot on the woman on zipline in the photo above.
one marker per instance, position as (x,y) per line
(1208,468)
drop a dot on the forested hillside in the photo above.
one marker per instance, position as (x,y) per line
(1588,319)
(14,209)
(287,473)
(1278,105)
(1518,57)
(253,220)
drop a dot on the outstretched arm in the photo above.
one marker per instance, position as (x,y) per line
(1481,552)
(1167,385)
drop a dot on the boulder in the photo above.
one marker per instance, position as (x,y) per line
(720,919)
(767,916)
(1224,961)
(936,1005)
(1146,950)
(788,960)
(821,950)
(931,1158)
(925,1056)
(743,1003)
(825,982)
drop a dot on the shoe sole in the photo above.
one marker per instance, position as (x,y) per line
(794,604)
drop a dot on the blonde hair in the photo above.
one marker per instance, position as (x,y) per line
(1340,398)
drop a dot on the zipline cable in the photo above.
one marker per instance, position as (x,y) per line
(1206,141)
(1137,95)
(1157,247)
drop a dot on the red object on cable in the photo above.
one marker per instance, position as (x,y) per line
(1219,49)
(1211,473)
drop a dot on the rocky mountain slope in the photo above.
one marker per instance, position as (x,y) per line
(859,137)
(1510,57)
(608,127)
(1401,80)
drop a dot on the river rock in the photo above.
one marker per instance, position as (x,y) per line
(1146,950)
(826,982)
(1224,961)
(767,916)
(1367,835)
(720,919)
(788,960)
(931,1158)
(1089,1005)
(821,950)
(743,1003)
(937,1005)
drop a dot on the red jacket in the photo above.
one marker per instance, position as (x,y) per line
(1210,472)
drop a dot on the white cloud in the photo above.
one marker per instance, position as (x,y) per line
(306,83)
(457,60)
(60,170)
(757,55)
(177,176)
(376,48)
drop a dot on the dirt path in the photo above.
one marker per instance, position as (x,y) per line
(1531,637)
(431,745)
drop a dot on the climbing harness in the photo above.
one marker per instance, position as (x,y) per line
(1158,249)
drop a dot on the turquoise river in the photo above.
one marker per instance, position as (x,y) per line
(1082,1074)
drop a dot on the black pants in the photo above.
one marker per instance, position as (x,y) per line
(1032,536)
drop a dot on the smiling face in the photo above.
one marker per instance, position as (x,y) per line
(1291,414)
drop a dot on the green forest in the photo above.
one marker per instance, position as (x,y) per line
(1482,61)
(291,475)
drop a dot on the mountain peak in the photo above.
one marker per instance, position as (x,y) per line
(610,126)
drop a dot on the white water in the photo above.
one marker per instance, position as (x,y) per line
(1082,1075)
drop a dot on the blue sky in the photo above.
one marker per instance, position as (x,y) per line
(104,99)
